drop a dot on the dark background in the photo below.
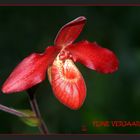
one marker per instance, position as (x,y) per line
(116,96)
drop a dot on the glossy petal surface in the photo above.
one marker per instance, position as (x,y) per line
(69,32)
(30,71)
(94,56)
(68,84)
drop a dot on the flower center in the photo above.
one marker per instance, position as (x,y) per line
(63,55)
(65,70)
(69,70)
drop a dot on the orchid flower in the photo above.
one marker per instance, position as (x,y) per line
(58,60)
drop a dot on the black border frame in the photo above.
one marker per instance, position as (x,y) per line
(71,3)
(73,137)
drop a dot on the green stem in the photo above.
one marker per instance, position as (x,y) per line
(35,109)
(12,111)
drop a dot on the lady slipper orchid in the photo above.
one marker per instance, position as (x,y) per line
(67,82)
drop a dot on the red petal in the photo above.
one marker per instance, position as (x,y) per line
(30,71)
(69,32)
(94,57)
(68,84)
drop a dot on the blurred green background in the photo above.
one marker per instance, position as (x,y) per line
(116,96)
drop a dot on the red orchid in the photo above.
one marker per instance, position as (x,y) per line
(67,82)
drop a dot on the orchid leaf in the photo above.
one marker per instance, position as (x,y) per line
(30,118)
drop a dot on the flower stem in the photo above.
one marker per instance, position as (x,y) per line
(12,111)
(42,127)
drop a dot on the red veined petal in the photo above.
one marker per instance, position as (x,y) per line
(94,56)
(68,84)
(31,71)
(69,32)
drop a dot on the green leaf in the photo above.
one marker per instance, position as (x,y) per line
(30,118)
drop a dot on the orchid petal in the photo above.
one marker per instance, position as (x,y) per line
(68,84)
(31,71)
(69,32)
(94,56)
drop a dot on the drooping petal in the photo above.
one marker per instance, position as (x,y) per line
(69,32)
(30,71)
(94,56)
(68,84)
